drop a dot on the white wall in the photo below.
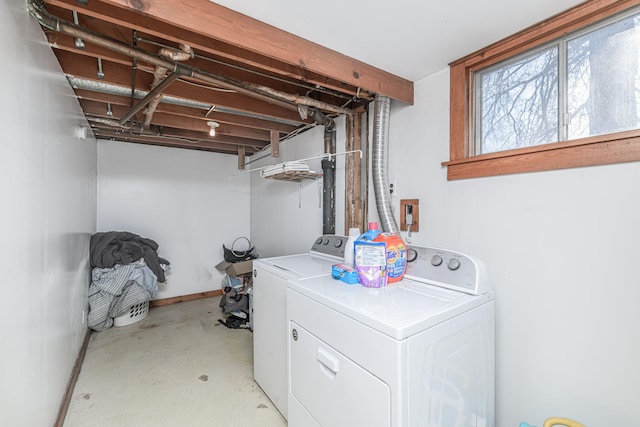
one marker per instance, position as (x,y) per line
(286,217)
(189,202)
(561,248)
(47,215)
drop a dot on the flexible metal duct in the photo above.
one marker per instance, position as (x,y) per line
(379,164)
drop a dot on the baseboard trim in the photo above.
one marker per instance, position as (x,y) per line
(66,399)
(183,298)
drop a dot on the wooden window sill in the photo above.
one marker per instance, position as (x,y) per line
(598,150)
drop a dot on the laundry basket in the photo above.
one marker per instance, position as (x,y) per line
(135,314)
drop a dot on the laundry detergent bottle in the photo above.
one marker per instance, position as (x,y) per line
(354,233)
(371,233)
(396,255)
(370,258)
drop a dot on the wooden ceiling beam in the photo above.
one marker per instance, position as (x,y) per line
(220,23)
(164,119)
(175,143)
(67,43)
(121,75)
(101,100)
(190,137)
(132,19)
(179,122)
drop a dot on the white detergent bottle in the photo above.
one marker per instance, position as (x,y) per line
(354,233)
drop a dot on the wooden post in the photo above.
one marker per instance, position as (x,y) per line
(275,144)
(355,197)
(241,154)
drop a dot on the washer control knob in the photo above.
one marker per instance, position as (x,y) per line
(319,240)
(436,260)
(325,241)
(338,243)
(294,335)
(453,264)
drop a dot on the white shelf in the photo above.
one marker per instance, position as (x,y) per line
(294,176)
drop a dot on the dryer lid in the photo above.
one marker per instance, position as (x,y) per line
(301,265)
(398,310)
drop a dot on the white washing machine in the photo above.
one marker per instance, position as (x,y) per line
(418,352)
(269,316)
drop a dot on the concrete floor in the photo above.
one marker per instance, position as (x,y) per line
(177,367)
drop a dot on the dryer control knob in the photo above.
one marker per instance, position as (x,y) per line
(436,260)
(453,264)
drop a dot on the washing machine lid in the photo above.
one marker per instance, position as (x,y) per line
(398,310)
(301,265)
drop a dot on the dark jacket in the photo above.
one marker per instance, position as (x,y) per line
(121,247)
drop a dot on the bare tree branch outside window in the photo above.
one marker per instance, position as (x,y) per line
(518,100)
(603,79)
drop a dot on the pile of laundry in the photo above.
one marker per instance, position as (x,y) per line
(126,271)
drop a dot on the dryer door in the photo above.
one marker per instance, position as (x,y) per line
(333,389)
(451,371)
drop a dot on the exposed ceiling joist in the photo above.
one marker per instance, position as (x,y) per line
(258,83)
(216,22)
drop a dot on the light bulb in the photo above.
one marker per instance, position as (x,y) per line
(212,128)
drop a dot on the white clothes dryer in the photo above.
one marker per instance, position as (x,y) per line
(418,352)
(269,310)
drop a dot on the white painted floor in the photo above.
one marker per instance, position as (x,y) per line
(177,367)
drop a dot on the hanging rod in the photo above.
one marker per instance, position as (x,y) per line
(325,155)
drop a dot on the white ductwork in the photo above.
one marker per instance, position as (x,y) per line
(379,164)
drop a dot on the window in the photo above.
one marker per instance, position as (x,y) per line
(564,93)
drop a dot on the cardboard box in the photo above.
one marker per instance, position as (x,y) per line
(235,269)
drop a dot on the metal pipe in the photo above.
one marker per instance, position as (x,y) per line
(328,172)
(159,73)
(329,181)
(102,87)
(379,164)
(288,101)
(150,97)
(134,67)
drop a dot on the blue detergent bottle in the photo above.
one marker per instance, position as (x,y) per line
(371,233)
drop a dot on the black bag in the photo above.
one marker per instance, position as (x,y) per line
(234,255)
(233,301)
